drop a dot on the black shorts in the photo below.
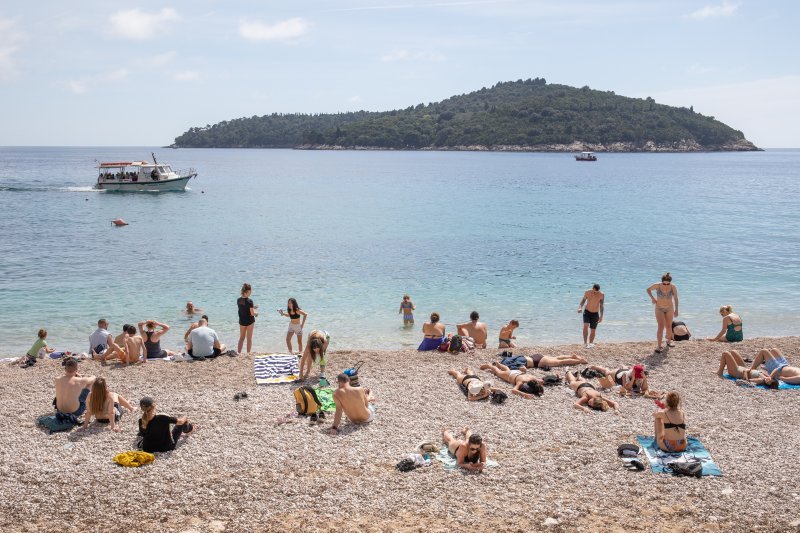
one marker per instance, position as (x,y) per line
(591,318)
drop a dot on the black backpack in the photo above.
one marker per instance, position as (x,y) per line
(690,467)
(406,465)
(550,380)
(498,397)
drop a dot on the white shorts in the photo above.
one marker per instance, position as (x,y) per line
(371,408)
(295,328)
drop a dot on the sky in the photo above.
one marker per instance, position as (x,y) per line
(140,73)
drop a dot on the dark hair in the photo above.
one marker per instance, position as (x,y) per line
(596,286)
(146,402)
(69,361)
(315,345)
(205,317)
(42,333)
(474,315)
(246,287)
(475,439)
(772,384)
(130,330)
(532,387)
(125,327)
(343,378)
(293,303)
(666,277)
(102,321)
(434,318)
(515,322)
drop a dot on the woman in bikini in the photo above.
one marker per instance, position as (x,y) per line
(473,387)
(469,451)
(407,308)
(433,332)
(778,368)
(525,385)
(316,346)
(670,425)
(296,323)
(731,326)
(733,363)
(630,380)
(588,397)
(546,362)
(105,406)
(666,296)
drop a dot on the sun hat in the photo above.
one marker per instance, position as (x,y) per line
(475,387)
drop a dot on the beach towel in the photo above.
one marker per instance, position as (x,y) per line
(134,459)
(325,397)
(428,344)
(55,424)
(694,450)
(9,359)
(449,462)
(782,384)
(514,362)
(276,368)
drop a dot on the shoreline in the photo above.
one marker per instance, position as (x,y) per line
(557,465)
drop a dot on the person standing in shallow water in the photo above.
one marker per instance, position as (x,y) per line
(407,308)
(666,308)
(592,313)
(247,317)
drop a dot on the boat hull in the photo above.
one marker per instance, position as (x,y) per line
(168,185)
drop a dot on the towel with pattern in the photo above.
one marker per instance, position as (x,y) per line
(782,385)
(325,396)
(276,368)
(694,450)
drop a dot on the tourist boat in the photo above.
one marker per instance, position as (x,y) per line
(141,176)
(586,156)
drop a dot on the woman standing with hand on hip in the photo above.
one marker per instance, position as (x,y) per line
(247,317)
(296,324)
(666,296)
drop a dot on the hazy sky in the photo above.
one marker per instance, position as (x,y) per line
(140,72)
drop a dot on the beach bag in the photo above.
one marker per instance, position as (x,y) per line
(467,344)
(550,380)
(689,468)
(352,373)
(306,400)
(455,344)
(498,397)
(444,347)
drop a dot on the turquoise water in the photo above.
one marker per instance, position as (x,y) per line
(347,233)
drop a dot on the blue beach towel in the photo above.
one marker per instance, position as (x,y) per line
(514,362)
(276,368)
(428,344)
(782,386)
(54,423)
(449,462)
(694,450)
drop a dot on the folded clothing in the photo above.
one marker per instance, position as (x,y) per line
(430,344)
(54,423)
(514,362)
(134,459)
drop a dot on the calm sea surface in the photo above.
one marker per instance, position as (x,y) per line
(347,233)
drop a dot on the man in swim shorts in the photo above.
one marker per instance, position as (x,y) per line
(592,313)
(71,391)
(474,329)
(354,402)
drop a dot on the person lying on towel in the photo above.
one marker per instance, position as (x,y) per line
(588,397)
(473,387)
(354,402)
(777,367)
(545,362)
(733,363)
(469,451)
(631,380)
(434,334)
(525,385)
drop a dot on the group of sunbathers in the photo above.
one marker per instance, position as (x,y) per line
(776,368)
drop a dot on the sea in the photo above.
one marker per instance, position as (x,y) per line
(348,233)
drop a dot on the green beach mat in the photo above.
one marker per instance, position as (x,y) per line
(325,396)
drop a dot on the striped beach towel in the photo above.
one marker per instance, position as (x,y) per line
(276,368)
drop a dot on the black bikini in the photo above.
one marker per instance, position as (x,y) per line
(582,385)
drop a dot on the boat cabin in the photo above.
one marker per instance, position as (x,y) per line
(133,171)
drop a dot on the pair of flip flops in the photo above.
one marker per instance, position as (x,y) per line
(629,453)
(240,396)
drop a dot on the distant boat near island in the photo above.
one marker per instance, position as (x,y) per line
(586,156)
(141,176)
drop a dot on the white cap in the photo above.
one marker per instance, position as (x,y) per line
(475,387)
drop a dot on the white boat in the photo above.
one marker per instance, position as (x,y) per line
(141,176)
(586,156)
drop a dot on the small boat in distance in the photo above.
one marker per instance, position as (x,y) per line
(586,156)
(141,176)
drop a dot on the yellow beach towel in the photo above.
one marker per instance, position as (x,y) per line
(134,459)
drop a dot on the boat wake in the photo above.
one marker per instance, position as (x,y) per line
(28,188)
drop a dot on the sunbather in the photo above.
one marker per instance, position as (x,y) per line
(316,347)
(525,385)
(71,391)
(588,396)
(154,428)
(106,406)
(545,362)
(152,339)
(733,363)
(631,380)
(469,451)
(777,366)
(471,385)
(474,329)
(433,332)
(670,425)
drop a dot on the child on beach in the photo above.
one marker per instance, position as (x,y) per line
(407,308)
(106,406)
(507,335)
(36,350)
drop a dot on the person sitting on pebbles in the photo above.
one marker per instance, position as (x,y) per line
(154,428)
(106,406)
(468,451)
(354,402)
(525,385)
(588,396)
(670,425)
(546,362)
(473,387)
(71,391)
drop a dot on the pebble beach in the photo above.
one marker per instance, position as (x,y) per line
(558,468)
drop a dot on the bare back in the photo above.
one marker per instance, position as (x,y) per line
(134,346)
(476,330)
(433,330)
(68,389)
(353,401)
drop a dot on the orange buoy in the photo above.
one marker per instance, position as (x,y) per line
(119,222)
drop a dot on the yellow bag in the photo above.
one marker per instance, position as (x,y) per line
(134,459)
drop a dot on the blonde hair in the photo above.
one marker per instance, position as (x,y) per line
(42,333)
(673,400)
(99,394)
(599,404)
(726,310)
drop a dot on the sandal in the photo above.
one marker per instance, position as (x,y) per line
(659,350)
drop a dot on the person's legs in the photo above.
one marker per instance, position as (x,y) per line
(180,429)
(668,325)
(660,330)
(562,360)
(489,368)
(603,370)
(725,361)
(762,356)
(585,332)
(249,338)
(775,353)
(738,358)
(451,442)
(458,376)
(242,333)
(299,342)
(502,367)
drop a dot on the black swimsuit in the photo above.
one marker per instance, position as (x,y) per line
(536,358)
(581,386)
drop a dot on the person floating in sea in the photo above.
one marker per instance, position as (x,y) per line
(507,337)
(407,309)
(297,321)
(433,332)
(592,313)
(731,326)
(666,296)
(191,309)
(247,317)
(469,451)
(474,329)
(354,402)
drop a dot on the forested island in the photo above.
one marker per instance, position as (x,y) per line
(522,115)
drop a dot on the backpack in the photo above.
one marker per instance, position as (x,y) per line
(690,467)
(306,401)
(352,373)
(551,380)
(498,397)
(455,344)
